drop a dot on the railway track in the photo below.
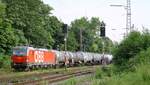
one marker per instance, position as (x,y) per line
(55,78)
(27,79)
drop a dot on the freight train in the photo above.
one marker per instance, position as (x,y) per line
(24,57)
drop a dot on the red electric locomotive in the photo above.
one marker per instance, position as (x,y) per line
(29,57)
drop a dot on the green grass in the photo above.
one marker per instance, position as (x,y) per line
(72,81)
(102,77)
(82,80)
(140,77)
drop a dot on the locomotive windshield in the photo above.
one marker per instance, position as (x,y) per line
(20,51)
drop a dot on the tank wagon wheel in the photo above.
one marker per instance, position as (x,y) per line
(32,67)
(91,63)
(35,67)
(46,66)
(56,66)
(49,66)
(41,66)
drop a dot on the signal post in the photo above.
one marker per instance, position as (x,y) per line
(102,35)
(65,31)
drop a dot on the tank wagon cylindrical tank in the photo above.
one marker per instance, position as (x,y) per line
(97,58)
(78,57)
(88,57)
(109,58)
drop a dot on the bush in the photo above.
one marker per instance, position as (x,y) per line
(5,61)
(103,72)
(134,43)
(98,73)
(142,58)
(140,77)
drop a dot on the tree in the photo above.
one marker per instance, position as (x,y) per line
(21,40)
(79,27)
(54,27)
(71,42)
(30,17)
(129,48)
(7,36)
(90,34)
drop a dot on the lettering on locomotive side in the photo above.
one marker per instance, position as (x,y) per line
(39,56)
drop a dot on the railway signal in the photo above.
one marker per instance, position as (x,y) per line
(65,31)
(102,29)
(65,28)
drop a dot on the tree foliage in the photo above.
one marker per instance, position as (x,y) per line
(55,29)
(141,58)
(29,17)
(129,48)
(7,36)
(90,34)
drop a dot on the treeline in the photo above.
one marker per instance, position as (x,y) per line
(31,23)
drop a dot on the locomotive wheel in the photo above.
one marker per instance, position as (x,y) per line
(27,69)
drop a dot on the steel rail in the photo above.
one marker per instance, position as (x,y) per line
(37,76)
(52,79)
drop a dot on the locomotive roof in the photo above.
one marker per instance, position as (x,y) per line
(29,47)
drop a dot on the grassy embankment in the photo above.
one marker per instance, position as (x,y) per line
(140,77)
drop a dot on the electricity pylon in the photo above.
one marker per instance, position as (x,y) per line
(128,15)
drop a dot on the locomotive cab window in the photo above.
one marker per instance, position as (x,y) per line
(20,51)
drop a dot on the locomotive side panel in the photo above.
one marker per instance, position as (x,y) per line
(40,57)
(49,57)
(30,57)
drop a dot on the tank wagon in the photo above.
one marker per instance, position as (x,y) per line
(24,57)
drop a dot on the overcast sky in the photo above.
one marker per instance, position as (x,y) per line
(114,17)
